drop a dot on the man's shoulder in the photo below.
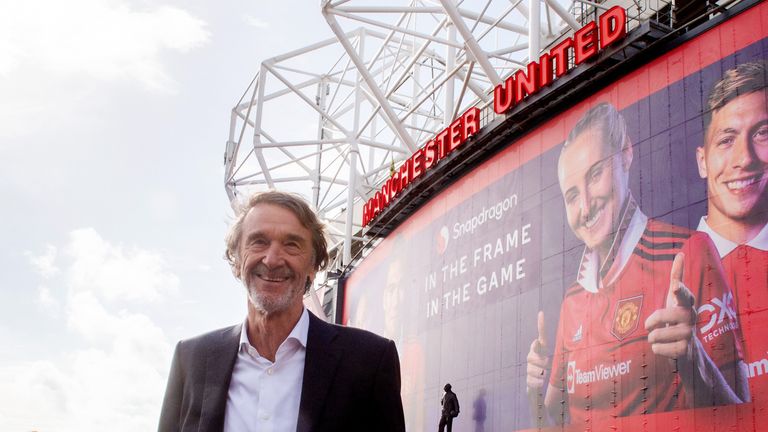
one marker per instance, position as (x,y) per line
(350,339)
(211,338)
(666,232)
(662,238)
(354,334)
(662,241)
(660,230)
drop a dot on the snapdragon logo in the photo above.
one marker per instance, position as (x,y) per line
(442,240)
(601,372)
(494,212)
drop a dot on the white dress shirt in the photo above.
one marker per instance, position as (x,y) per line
(265,396)
(725,246)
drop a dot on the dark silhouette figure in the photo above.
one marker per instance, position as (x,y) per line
(450,405)
(478,411)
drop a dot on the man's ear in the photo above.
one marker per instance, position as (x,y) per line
(626,156)
(701,162)
(236,268)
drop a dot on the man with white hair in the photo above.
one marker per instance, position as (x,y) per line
(282,369)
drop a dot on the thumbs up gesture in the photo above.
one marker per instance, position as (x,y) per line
(538,362)
(671,329)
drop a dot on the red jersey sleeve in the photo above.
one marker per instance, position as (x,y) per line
(717,325)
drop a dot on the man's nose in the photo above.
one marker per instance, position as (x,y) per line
(273,256)
(585,202)
(741,152)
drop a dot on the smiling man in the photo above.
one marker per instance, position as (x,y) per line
(734,160)
(282,369)
(630,340)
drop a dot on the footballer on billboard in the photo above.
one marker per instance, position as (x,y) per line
(608,270)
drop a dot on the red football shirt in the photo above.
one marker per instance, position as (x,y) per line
(603,363)
(746,268)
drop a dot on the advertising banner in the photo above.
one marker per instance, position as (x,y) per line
(606,271)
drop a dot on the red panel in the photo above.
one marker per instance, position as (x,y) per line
(629,88)
(531,148)
(692,56)
(674,67)
(747,21)
(658,76)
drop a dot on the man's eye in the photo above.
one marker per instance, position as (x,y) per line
(595,174)
(725,141)
(258,242)
(761,136)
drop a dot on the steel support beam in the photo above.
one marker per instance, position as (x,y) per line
(470,42)
(389,114)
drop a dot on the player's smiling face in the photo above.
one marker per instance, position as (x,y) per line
(275,258)
(594,186)
(393,297)
(734,159)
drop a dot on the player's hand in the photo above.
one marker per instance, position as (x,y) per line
(671,329)
(538,363)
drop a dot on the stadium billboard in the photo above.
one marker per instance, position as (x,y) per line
(606,271)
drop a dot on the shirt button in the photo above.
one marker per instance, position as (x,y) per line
(264,416)
(269,371)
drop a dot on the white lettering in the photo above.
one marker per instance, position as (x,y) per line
(601,372)
(494,212)
(758,368)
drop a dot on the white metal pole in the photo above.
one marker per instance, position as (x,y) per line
(257,125)
(563,14)
(450,62)
(534,24)
(320,100)
(470,42)
(353,155)
(389,113)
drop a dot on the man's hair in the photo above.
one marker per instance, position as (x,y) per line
(605,118)
(296,205)
(743,79)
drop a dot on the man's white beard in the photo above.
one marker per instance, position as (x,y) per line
(267,304)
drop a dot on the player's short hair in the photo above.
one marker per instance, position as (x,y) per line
(291,202)
(608,120)
(743,79)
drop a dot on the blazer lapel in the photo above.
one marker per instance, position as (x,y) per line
(319,370)
(218,373)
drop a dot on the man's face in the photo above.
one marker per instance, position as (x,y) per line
(735,157)
(594,186)
(393,293)
(275,258)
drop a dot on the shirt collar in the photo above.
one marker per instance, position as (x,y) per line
(299,332)
(725,246)
(593,275)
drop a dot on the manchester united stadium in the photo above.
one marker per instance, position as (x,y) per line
(558,206)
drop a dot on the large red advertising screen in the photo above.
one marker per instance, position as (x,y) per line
(606,271)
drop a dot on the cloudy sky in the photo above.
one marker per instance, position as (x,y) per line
(113,118)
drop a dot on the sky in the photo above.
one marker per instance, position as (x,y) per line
(113,120)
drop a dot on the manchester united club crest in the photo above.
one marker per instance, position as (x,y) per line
(626,316)
(571,376)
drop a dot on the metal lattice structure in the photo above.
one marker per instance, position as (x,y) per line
(331,120)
